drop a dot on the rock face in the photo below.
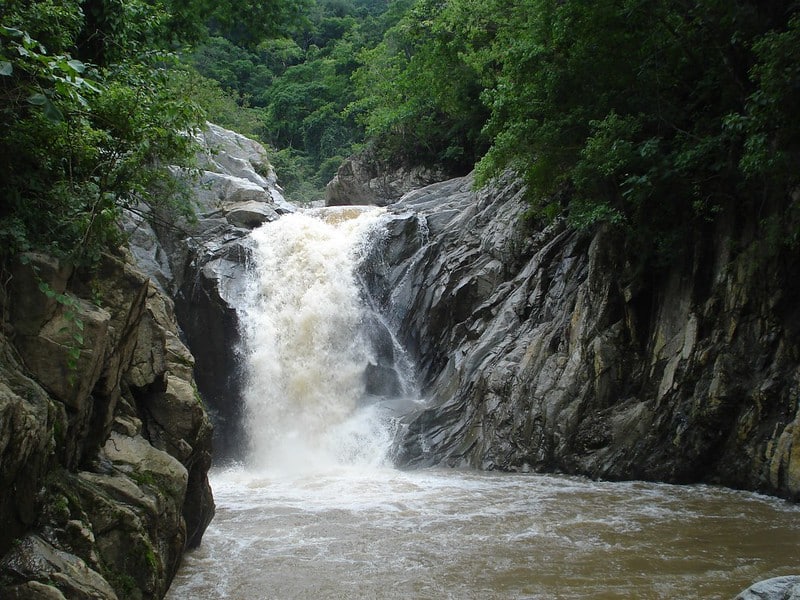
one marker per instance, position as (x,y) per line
(540,349)
(363,180)
(105,444)
(778,588)
(202,264)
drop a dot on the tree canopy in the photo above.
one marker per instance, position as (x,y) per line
(646,115)
(90,122)
(652,117)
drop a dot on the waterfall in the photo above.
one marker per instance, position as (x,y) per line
(308,347)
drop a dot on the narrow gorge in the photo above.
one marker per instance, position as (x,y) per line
(443,333)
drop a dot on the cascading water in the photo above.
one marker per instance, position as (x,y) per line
(308,345)
(315,511)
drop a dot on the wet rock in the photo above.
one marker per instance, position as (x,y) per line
(33,590)
(363,179)
(28,420)
(542,347)
(778,588)
(92,507)
(68,574)
(250,214)
(228,152)
(206,263)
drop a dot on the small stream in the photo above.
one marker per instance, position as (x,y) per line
(316,512)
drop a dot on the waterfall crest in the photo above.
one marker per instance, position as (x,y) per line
(306,347)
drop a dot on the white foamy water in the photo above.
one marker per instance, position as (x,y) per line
(305,346)
(316,513)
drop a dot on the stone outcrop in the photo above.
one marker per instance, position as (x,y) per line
(201,264)
(543,349)
(777,588)
(105,444)
(104,438)
(363,179)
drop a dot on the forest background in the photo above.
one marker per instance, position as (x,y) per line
(654,118)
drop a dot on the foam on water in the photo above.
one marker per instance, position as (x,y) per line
(305,346)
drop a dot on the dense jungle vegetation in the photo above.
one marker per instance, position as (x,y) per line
(654,117)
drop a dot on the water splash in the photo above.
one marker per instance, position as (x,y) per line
(306,347)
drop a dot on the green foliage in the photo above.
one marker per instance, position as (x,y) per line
(89,133)
(220,106)
(296,83)
(418,97)
(247,22)
(652,117)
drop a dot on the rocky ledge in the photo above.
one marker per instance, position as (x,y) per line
(363,179)
(201,264)
(104,441)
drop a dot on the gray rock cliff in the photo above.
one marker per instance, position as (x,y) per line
(105,444)
(104,437)
(539,349)
(202,264)
(363,179)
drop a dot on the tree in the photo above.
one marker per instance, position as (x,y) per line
(418,98)
(651,117)
(84,137)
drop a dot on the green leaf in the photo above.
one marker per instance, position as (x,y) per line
(10,31)
(6,68)
(37,99)
(77,65)
(52,112)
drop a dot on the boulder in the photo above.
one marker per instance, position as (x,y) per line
(364,180)
(225,151)
(206,265)
(66,574)
(777,588)
(31,424)
(100,503)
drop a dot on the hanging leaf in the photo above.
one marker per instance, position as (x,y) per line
(76,66)
(37,99)
(6,68)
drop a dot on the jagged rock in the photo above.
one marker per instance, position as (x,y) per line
(33,557)
(98,510)
(48,355)
(28,421)
(542,348)
(148,253)
(250,215)
(362,179)
(33,590)
(206,263)
(207,314)
(229,152)
(777,588)
(217,193)
(28,276)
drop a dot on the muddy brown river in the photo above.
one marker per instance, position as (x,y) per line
(380,533)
